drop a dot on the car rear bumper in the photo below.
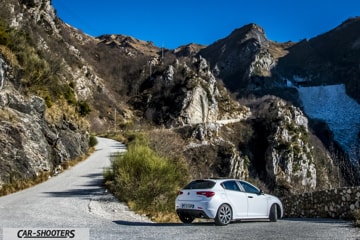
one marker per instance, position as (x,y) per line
(193,212)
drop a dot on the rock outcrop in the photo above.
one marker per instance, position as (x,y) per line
(28,144)
(288,153)
(129,45)
(200,104)
(242,58)
(273,145)
(32,139)
(192,96)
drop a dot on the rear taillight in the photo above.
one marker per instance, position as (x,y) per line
(180,193)
(206,193)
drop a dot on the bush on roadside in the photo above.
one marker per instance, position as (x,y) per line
(146,181)
(92,141)
(357,217)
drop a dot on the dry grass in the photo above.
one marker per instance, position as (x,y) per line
(165,142)
(156,216)
(165,217)
(9,56)
(8,115)
(18,185)
(60,109)
(117,136)
(68,164)
(279,50)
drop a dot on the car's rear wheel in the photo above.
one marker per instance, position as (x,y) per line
(224,215)
(273,216)
(186,218)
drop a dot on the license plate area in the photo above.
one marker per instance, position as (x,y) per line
(187,205)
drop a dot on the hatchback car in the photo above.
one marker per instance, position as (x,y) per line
(225,200)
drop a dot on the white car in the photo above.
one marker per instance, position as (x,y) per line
(225,200)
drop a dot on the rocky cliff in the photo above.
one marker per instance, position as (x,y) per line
(64,83)
(30,145)
(41,127)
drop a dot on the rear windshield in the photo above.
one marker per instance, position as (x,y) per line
(200,184)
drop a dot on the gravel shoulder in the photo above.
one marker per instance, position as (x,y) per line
(108,207)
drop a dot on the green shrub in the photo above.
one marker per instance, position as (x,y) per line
(69,95)
(83,108)
(148,182)
(137,138)
(92,141)
(4,36)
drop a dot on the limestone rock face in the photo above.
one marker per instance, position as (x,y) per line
(196,108)
(3,68)
(28,144)
(262,64)
(201,101)
(169,74)
(288,154)
(278,149)
(213,156)
(200,104)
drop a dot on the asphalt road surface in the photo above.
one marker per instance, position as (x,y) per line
(76,199)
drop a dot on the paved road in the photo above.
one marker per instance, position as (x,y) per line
(75,199)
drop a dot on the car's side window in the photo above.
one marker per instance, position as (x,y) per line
(230,185)
(249,188)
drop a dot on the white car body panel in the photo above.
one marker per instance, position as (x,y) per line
(236,199)
(257,205)
(244,205)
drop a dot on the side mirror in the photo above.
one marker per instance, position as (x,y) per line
(261,192)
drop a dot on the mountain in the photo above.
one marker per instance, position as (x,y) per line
(234,104)
(244,58)
(330,58)
(248,63)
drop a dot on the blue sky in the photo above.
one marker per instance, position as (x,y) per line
(175,23)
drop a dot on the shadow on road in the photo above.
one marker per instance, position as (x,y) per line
(87,193)
(92,187)
(96,179)
(212,224)
(119,146)
(144,224)
(318,220)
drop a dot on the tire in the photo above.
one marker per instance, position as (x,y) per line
(273,216)
(224,215)
(186,218)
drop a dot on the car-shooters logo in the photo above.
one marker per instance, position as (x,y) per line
(46,233)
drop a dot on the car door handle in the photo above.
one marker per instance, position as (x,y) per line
(250,196)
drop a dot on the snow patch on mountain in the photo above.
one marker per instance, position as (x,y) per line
(342,114)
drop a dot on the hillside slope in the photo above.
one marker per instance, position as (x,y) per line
(117,82)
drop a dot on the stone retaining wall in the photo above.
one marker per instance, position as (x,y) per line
(332,203)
